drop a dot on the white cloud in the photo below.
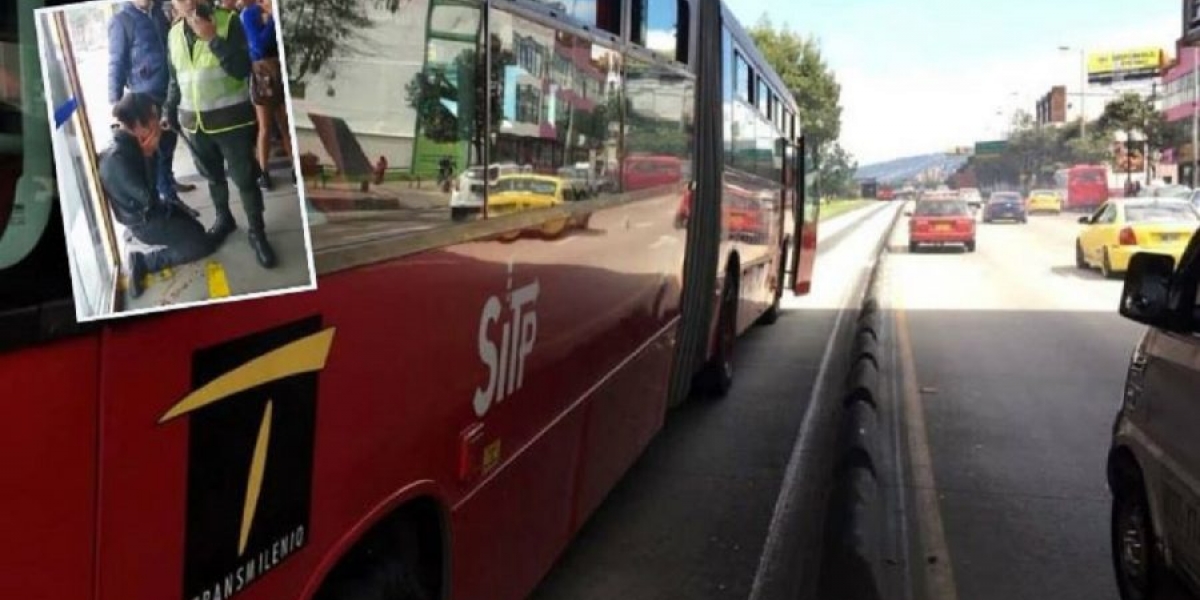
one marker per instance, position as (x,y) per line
(929,108)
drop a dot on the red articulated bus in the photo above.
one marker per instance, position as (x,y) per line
(446,410)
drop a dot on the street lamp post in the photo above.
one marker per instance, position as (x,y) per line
(1082,90)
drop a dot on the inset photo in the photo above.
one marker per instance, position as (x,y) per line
(173,146)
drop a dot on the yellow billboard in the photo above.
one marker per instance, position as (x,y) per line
(1125,65)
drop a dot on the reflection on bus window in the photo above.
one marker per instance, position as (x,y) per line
(389,129)
(559,107)
(33,260)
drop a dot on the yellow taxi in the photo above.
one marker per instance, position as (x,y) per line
(1043,201)
(1121,228)
(518,193)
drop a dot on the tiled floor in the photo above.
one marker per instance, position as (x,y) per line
(233,270)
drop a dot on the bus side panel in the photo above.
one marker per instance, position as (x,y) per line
(603,296)
(622,419)
(48,464)
(750,210)
(510,532)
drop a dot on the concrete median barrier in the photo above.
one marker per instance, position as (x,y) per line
(852,561)
(852,557)
(824,539)
(863,383)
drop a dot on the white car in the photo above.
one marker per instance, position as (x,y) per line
(972,197)
(467,197)
(1154,458)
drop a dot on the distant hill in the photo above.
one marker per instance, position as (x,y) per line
(935,167)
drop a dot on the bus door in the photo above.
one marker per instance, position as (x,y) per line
(799,181)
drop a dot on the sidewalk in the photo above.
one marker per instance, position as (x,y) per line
(232,270)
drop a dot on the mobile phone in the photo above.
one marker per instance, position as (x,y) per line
(204,11)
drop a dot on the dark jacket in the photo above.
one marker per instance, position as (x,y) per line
(234,54)
(137,52)
(128,178)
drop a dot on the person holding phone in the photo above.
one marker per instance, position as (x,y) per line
(128,176)
(208,101)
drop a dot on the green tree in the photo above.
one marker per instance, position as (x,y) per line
(314,31)
(837,171)
(461,83)
(1133,112)
(1035,150)
(799,63)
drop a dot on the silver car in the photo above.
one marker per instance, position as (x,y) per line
(1154,459)
(467,197)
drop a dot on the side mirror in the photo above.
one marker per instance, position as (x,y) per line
(1085,220)
(1147,287)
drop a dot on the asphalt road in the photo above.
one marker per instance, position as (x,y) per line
(690,518)
(1004,374)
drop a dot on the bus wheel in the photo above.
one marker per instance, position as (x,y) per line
(717,376)
(389,563)
(772,314)
(384,578)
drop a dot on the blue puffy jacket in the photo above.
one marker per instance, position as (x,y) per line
(137,52)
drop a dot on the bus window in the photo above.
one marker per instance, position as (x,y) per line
(743,76)
(34,272)
(583,12)
(388,138)
(762,100)
(24,201)
(661,26)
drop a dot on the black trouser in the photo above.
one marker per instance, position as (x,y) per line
(231,152)
(182,235)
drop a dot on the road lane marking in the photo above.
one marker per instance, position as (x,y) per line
(939,574)
(898,445)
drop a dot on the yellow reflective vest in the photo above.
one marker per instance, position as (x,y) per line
(209,99)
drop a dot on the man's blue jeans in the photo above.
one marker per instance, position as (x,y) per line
(166,164)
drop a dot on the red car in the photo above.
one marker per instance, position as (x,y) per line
(941,220)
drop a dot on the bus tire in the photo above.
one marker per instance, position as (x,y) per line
(716,378)
(384,577)
(399,559)
(772,315)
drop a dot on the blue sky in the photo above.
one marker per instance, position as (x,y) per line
(926,75)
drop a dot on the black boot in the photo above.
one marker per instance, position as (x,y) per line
(262,248)
(223,226)
(265,182)
(137,272)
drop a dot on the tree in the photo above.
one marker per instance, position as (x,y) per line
(799,63)
(837,171)
(315,30)
(461,83)
(1133,112)
(1034,149)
